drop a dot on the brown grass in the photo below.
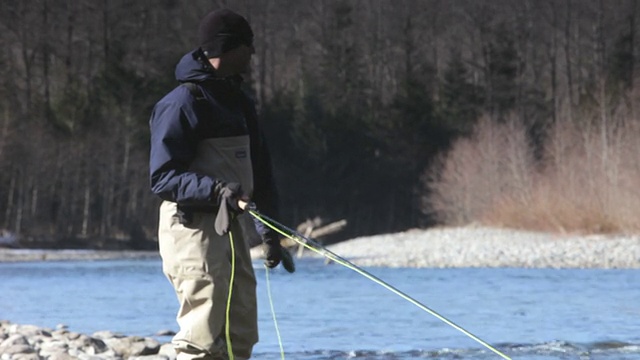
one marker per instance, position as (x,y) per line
(588,181)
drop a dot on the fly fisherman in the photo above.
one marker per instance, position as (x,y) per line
(208,159)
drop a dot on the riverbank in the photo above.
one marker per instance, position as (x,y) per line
(471,246)
(28,342)
(476,246)
(21,255)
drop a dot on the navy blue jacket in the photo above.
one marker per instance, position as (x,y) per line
(217,108)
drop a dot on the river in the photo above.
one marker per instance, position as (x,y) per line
(330,312)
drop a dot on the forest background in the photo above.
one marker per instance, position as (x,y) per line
(389,114)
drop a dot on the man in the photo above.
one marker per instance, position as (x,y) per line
(208,159)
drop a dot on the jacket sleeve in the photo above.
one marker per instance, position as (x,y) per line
(173,147)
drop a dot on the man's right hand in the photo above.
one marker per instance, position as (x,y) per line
(228,199)
(232,194)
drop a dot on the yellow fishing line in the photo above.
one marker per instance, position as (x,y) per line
(273,313)
(347,264)
(227,330)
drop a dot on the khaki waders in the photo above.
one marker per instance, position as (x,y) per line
(197,262)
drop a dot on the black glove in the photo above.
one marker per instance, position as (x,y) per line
(227,196)
(275,254)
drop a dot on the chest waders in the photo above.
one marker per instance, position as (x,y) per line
(212,274)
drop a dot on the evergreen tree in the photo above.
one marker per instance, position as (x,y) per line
(501,71)
(622,61)
(460,101)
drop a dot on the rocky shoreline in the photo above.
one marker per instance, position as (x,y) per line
(476,246)
(471,246)
(20,255)
(28,342)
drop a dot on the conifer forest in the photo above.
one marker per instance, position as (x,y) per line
(360,99)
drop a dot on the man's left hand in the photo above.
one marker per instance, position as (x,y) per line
(276,254)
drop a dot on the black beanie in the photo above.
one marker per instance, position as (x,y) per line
(223,30)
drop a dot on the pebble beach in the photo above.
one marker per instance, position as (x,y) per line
(470,246)
(492,247)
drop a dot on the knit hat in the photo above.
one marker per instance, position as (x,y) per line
(223,30)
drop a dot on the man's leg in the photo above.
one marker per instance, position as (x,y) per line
(196,262)
(244,313)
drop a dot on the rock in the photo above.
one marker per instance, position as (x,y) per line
(90,357)
(62,334)
(60,356)
(165,332)
(168,350)
(106,335)
(16,344)
(15,339)
(109,355)
(53,347)
(73,335)
(17,349)
(133,346)
(28,342)
(29,330)
(29,356)
(89,345)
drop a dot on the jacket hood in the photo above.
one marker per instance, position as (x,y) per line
(191,69)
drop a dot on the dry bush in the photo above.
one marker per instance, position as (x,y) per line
(479,172)
(594,169)
(588,181)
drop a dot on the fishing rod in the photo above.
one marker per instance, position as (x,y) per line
(319,249)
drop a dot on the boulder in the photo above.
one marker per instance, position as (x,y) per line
(133,346)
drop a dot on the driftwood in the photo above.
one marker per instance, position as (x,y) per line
(313,228)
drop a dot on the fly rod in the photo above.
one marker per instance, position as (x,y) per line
(319,249)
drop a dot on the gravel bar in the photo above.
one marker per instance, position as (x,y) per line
(21,255)
(491,247)
(472,246)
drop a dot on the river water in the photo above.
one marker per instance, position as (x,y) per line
(330,312)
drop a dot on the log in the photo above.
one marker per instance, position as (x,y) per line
(309,230)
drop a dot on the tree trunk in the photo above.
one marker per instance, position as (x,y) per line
(19,204)
(34,197)
(27,59)
(70,30)
(632,32)
(45,61)
(10,200)
(264,51)
(553,60)
(568,67)
(86,208)
(4,135)
(105,29)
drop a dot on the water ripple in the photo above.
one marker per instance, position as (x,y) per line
(617,350)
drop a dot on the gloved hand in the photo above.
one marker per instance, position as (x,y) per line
(276,254)
(231,193)
(227,196)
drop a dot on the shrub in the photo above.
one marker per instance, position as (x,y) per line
(587,181)
(479,172)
